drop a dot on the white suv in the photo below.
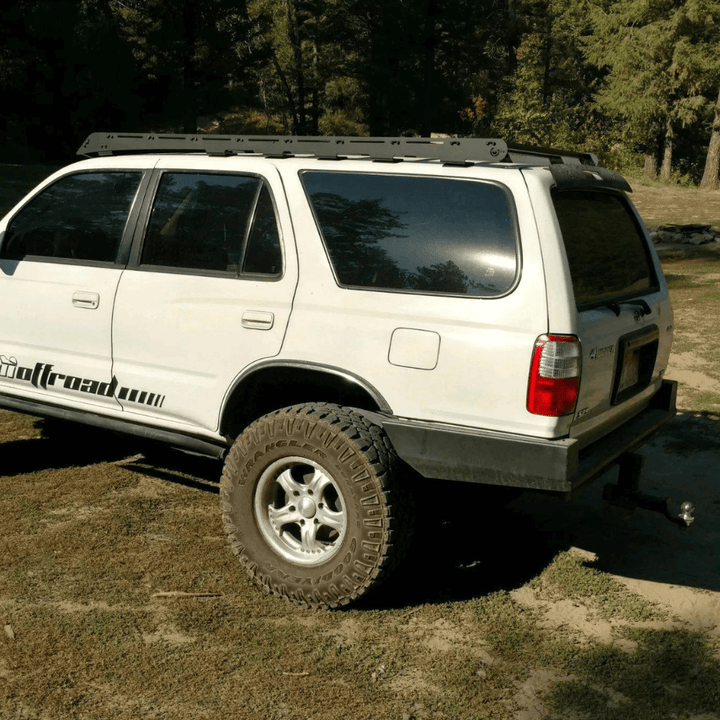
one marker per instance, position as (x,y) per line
(330,313)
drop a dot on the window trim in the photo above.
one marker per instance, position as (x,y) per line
(141,228)
(425,293)
(128,231)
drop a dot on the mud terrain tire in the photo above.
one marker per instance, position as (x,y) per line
(312,504)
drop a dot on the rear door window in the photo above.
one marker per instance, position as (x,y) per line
(416,234)
(605,247)
(213,222)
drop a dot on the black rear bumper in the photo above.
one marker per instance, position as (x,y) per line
(450,453)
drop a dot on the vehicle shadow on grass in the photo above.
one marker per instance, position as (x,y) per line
(71,448)
(475,546)
(476,549)
(173,466)
(64,445)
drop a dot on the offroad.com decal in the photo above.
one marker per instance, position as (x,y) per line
(43,376)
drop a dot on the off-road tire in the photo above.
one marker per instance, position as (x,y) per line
(362,515)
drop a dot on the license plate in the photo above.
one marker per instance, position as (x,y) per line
(630,370)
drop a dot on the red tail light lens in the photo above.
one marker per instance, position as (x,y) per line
(554,375)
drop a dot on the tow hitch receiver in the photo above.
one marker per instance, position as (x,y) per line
(626,493)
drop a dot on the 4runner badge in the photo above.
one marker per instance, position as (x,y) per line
(596,353)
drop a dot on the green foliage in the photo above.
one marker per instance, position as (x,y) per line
(622,78)
(661,60)
(548,99)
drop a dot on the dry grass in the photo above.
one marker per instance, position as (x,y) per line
(119,598)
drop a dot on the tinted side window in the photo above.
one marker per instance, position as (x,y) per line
(263,254)
(421,234)
(200,221)
(605,249)
(80,217)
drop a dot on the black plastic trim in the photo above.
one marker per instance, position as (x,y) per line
(494,458)
(246,376)
(583,176)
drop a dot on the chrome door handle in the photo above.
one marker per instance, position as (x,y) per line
(87,300)
(256,320)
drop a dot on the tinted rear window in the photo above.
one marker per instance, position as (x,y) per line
(417,234)
(605,247)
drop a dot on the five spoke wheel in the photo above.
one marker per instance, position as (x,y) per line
(300,510)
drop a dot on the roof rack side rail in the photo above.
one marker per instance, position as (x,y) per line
(452,150)
(518,152)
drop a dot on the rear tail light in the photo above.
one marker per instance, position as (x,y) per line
(554,375)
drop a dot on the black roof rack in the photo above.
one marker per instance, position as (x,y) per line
(526,153)
(448,150)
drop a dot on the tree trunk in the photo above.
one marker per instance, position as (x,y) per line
(295,43)
(513,37)
(288,94)
(651,155)
(189,15)
(430,42)
(710,180)
(666,169)
(651,166)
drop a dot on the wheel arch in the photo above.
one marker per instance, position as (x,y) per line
(281,383)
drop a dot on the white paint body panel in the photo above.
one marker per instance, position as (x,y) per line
(188,336)
(41,324)
(480,379)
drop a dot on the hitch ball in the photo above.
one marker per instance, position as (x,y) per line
(687,513)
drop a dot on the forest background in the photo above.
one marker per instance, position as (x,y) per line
(637,81)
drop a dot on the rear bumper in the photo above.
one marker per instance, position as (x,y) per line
(450,453)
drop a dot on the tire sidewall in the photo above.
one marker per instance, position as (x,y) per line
(353,567)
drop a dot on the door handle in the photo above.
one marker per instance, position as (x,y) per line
(87,300)
(256,320)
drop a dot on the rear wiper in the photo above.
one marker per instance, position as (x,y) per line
(646,309)
(615,306)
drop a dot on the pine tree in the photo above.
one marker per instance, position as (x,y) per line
(661,58)
(548,96)
(185,49)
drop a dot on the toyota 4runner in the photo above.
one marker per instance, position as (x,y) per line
(334,317)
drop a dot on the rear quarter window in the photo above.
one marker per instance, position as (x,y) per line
(416,234)
(605,247)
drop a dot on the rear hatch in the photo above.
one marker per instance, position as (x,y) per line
(624,319)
